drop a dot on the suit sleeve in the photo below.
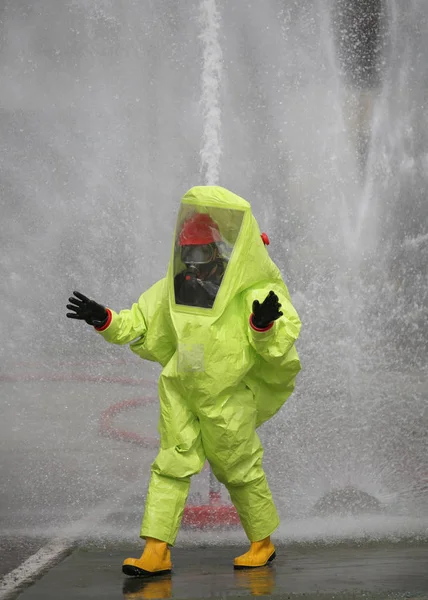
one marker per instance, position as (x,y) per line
(275,341)
(126,326)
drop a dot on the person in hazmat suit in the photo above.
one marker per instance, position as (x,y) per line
(229,363)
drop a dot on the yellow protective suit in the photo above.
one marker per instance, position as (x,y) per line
(221,378)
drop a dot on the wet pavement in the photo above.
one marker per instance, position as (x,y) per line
(14,550)
(373,571)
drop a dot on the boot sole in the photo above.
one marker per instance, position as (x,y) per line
(242,567)
(132,571)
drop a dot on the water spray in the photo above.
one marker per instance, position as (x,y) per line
(210,94)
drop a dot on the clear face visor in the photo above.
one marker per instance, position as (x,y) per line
(205,238)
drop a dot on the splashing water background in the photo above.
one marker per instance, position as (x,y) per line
(109,113)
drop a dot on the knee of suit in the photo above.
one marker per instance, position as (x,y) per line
(177,463)
(241,473)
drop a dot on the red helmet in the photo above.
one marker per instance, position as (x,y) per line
(198,230)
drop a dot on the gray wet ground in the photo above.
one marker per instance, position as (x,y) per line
(14,550)
(373,571)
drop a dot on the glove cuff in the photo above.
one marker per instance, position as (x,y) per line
(100,326)
(259,327)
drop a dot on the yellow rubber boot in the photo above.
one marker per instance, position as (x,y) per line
(259,555)
(155,560)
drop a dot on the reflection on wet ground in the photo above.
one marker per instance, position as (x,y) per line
(373,571)
(258,582)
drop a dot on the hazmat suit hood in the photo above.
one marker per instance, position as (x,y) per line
(246,262)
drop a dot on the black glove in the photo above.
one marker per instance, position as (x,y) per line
(87,310)
(267,311)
